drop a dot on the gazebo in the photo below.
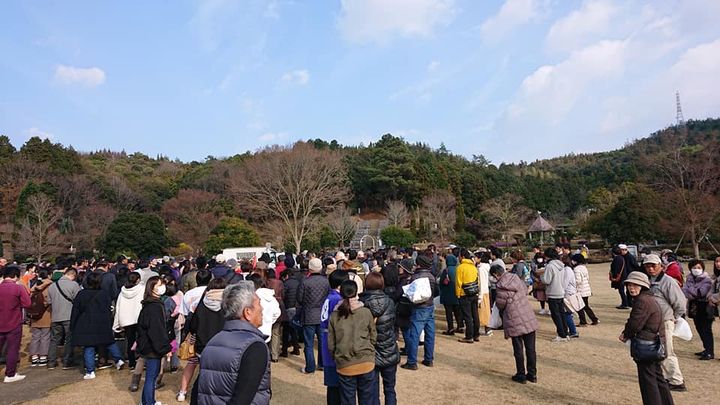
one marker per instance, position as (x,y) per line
(540,225)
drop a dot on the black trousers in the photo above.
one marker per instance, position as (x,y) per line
(453,314)
(130,337)
(703,324)
(289,336)
(653,387)
(527,342)
(557,313)
(469,307)
(587,310)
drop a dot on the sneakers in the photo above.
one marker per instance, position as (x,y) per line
(304,371)
(707,356)
(575,336)
(559,339)
(119,364)
(89,376)
(466,341)
(34,361)
(180,396)
(43,361)
(15,378)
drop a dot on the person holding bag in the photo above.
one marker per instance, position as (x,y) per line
(645,329)
(697,288)
(467,291)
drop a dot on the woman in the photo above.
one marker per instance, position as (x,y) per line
(582,282)
(570,290)
(538,287)
(387,354)
(91,324)
(127,310)
(40,327)
(698,287)
(483,268)
(519,322)
(646,323)
(351,341)
(153,342)
(448,298)
(172,301)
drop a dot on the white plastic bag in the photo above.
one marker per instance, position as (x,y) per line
(495,318)
(418,291)
(574,303)
(682,329)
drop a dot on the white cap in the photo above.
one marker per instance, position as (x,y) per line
(622,246)
(220,258)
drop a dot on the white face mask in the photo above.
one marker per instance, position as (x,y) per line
(696,272)
(160,290)
(664,261)
(540,260)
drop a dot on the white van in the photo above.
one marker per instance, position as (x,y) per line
(249,253)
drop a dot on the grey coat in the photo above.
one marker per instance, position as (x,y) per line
(669,296)
(553,279)
(61,307)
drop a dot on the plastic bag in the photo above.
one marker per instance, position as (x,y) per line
(495,318)
(418,291)
(574,303)
(682,329)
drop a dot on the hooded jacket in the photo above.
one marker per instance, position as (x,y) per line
(466,273)
(208,319)
(553,279)
(128,306)
(270,310)
(447,291)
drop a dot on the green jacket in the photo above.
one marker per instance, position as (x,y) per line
(351,340)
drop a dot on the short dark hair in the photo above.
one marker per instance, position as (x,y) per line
(336,278)
(201,262)
(578,258)
(71,271)
(692,263)
(132,280)
(465,254)
(11,271)
(551,253)
(257,280)
(203,277)
(217,284)
(93,280)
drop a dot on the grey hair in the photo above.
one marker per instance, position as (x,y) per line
(237,297)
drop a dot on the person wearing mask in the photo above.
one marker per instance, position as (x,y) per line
(646,324)
(13,299)
(538,287)
(91,323)
(235,365)
(61,295)
(422,318)
(582,282)
(127,310)
(153,342)
(467,290)
(310,298)
(555,291)
(40,320)
(330,375)
(698,287)
(351,341)
(448,298)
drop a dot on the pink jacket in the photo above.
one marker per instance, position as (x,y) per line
(512,299)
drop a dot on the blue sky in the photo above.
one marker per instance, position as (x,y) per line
(513,80)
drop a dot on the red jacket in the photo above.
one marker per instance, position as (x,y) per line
(13,297)
(673,270)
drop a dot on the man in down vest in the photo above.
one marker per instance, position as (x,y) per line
(235,364)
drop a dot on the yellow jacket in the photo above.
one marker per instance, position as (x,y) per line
(466,273)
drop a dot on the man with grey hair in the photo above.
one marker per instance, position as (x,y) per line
(235,364)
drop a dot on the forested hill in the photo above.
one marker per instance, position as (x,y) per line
(82,194)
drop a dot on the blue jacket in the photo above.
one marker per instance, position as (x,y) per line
(330,303)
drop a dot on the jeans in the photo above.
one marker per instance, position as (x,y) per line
(89,355)
(130,337)
(309,332)
(703,324)
(10,340)
(422,319)
(653,387)
(586,310)
(528,342)
(557,312)
(570,323)
(152,370)
(40,341)
(358,388)
(60,331)
(452,314)
(389,375)
(471,317)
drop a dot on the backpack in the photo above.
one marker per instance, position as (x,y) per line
(37,306)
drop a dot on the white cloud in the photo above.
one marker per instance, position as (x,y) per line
(366,21)
(592,18)
(433,66)
(299,77)
(511,15)
(272,136)
(89,77)
(37,132)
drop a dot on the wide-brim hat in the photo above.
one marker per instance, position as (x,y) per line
(638,278)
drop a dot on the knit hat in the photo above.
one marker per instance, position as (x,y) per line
(315,265)
(638,278)
(407,265)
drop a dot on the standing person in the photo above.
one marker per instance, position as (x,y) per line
(570,290)
(127,310)
(422,318)
(13,298)
(631,264)
(351,341)
(331,379)
(189,304)
(617,276)
(310,298)
(91,323)
(153,342)
(482,260)
(467,291)
(495,260)
(448,298)
(189,281)
(673,304)
(276,337)
(270,306)
(61,295)
(646,323)
(698,288)
(555,291)
(291,278)
(582,282)
(519,322)
(538,287)
(672,266)
(40,315)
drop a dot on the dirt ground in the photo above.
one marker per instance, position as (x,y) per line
(595,369)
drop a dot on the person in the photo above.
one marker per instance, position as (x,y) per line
(40,323)
(482,260)
(127,310)
(673,304)
(672,266)
(387,354)
(172,301)
(13,298)
(310,298)
(331,378)
(61,295)
(276,285)
(570,287)
(235,365)
(555,292)
(422,318)
(519,322)
(697,289)
(91,323)
(153,342)
(538,287)
(291,278)
(30,277)
(617,276)
(448,298)
(351,342)
(270,306)
(496,260)
(188,281)
(646,323)
(146,271)
(631,264)
(189,304)
(467,275)
(108,281)
(582,282)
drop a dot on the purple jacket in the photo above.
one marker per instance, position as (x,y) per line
(698,287)
(13,297)
(512,299)
(330,303)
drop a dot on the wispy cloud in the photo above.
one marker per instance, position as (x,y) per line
(299,77)
(511,15)
(89,77)
(272,136)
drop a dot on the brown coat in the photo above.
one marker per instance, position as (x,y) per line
(512,299)
(646,318)
(46,319)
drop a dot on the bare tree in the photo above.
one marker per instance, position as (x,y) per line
(90,225)
(125,197)
(191,216)
(438,209)
(342,224)
(397,213)
(296,185)
(504,212)
(39,234)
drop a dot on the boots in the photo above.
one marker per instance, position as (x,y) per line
(158,383)
(135,382)
(296,350)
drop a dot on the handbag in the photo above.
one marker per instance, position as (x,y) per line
(187,348)
(692,309)
(471,289)
(574,302)
(644,351)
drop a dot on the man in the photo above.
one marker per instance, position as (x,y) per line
(108,282)
(235,364)
(13,298)
(60,296)
(422,318)
(467,274)
(672,301)
(145,271)
(220,270)
(188,281)
(310,298)
(631,265)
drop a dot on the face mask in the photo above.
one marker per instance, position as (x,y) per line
(696,272)
(540,260)
(160,290)
(664,261)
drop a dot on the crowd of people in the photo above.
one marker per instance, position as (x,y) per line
(239,317)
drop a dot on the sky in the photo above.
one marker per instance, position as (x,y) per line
(513,80)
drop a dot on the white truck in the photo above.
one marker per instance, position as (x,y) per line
(250,253)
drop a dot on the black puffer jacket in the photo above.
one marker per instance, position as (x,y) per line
(382,308)
(290,289)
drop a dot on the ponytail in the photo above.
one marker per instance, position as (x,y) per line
(344,308)
(348,289)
